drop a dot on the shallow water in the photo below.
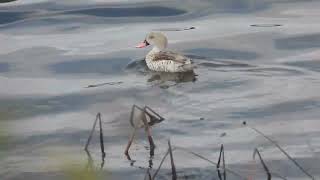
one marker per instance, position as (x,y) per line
(62,62)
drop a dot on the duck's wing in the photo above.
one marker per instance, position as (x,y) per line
(171,56)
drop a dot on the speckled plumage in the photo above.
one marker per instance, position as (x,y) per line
(169,62)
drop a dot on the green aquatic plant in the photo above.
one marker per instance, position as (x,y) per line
(4,137)
(73,170)
(3,130)
(77,172)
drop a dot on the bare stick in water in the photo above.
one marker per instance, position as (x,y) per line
(146,118)
(162,160)
(269,173)
(158,117)
(284,152)
(126,152)
(133,108)
(148,132)
(101,141)
(91,133)
(223,164)
(147,175)
(173,167)
(103,154)
(265,167)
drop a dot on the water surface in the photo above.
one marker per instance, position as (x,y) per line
(62,62)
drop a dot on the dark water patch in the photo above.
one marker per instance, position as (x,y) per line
(6,1)
(311,65)
(148,11)
(4,67)
(137,66)
(173,9)
(8,17)
(174,29)
(70,28)
(211,53)
(277,109)
(95,66)
(104,84)
(298,42)
(266,25)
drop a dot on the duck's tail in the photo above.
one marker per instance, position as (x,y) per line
(188,67)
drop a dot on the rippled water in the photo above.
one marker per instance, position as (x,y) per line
(258,61)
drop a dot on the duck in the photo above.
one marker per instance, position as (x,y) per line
(159,59)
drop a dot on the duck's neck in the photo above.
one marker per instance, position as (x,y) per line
(155,49)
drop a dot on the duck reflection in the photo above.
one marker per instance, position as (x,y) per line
(162,79)
(166,79)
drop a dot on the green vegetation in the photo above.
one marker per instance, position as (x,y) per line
(77,172)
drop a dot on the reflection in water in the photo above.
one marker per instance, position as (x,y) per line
(132,162)
(90,164)
(180,77)
(162,79)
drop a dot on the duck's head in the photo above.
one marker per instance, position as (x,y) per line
(157,39)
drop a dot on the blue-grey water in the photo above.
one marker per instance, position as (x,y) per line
(62,62)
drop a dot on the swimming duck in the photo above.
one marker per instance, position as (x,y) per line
(161,60)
